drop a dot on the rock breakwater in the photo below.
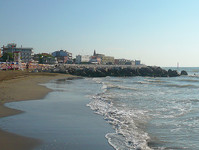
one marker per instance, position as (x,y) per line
(113,70)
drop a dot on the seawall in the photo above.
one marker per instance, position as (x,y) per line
(114,70)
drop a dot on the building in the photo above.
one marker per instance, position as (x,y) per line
(62,59)
(107,60)
(44,58)
(98,55)
(102,59)
(25,52)
(49,60)
(82,59)
(17,57)
(131,62)
(120,61)
(61,53)
(95,60)
(63,56)
(137,62)
(86,58)
(124,62)
(78,59)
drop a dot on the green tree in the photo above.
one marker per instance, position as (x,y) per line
(8,57)
(41,59)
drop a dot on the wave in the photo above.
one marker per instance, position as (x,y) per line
(170,104)
(147,82)
(194,76)
(97,80)
(189,80)
(181,86)
(142,82)
(126,122)
(165,83)
(114,80)
(156,81)
(109,86)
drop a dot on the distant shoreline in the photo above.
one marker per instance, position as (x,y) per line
(20,86)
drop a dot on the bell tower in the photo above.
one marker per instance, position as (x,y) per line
(94,54)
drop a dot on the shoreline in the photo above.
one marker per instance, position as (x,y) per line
(21,86)
(62,119)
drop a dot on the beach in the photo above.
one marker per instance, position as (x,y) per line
(61,120)
(20,86)
(133,113)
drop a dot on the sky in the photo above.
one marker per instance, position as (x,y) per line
(157,32)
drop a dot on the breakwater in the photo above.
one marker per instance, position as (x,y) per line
(115,70)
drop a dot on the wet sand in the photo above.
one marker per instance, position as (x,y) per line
(19,86)
(61,120)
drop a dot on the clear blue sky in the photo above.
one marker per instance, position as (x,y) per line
(159,32)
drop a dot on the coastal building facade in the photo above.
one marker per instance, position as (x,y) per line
(44,58)
(78,59)
(124,62)
(83,59)
(95,60)
(107,60)
(137,62)
(50,60)
(25,52)
(17,57)
(98,55)
(121,61)
(62,59)
(102,59)
(131,62)
(63,56)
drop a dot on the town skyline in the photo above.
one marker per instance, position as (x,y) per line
(19,54)
(161,33)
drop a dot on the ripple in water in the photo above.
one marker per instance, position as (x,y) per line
(149,113)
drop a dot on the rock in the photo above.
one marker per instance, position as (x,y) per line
(173,73)
(146,71)
(183,72)
(117,71)
(138,148)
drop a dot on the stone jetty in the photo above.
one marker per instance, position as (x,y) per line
(114,70)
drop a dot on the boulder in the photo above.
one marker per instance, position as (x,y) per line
(117,71)
(173,73)
(183,72)
(146,71)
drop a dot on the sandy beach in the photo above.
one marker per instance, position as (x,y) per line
(20,86)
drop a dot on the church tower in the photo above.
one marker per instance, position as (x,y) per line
(94,54)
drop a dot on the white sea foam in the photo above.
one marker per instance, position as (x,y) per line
(129,135)
(114,86)
(167,107)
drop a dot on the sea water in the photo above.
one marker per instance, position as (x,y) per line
(149,113)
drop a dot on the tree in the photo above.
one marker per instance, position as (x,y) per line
(42,58)
(7,57)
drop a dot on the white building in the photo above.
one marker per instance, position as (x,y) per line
(82,59)
(25,52)
(86,58)
(78,59)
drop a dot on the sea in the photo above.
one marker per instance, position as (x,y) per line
(149,113)
(145,113)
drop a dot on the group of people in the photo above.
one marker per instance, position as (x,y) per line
(11,66)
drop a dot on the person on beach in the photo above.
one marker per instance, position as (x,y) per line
(27,66)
